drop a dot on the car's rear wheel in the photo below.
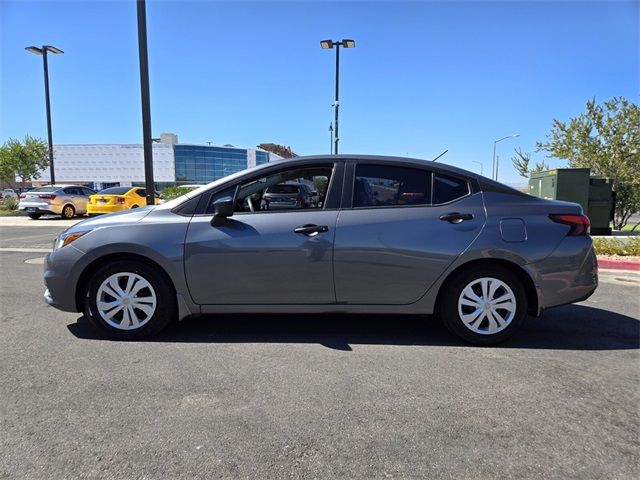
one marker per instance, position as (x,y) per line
(68,212)
(130,300)
(484,305)
(35,216)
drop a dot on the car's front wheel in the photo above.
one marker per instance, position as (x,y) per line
(484,305)
(130,300)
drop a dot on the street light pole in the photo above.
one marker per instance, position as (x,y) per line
(346,43)
(494,168)
(481,166)
(146,103)
(45,63)
(331,137)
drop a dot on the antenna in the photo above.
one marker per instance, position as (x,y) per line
(440,155)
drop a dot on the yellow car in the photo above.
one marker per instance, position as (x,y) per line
(116,199)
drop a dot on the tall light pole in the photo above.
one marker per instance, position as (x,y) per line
(146,103)
(495,165)
(481,165)
(43,51)
(325,44)
(331,136)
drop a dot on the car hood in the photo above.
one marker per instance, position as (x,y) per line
(117,218)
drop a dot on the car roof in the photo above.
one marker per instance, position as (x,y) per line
(484,183)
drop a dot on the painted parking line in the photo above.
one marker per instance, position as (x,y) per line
(26,250)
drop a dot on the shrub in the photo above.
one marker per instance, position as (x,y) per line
(9,203)
(170,193)
(615,246)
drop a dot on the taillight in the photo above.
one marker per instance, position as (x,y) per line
(579,223)
(120,200)
(22,195)
(48,197)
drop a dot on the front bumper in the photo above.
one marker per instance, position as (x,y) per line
(62,270)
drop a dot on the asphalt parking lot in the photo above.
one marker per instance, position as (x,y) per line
(314,396)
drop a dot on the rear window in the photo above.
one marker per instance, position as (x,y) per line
(283,189)
(115,191)
(447,189)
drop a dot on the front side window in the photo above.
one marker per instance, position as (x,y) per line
(383,185)
(447,189)
(295,189)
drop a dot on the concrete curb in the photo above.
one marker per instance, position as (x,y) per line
(616,264)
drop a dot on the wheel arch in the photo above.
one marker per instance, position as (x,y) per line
(522,275)
(98,263)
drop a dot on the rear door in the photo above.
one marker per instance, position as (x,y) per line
(406,225)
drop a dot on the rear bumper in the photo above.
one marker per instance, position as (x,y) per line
(99,209)
(40,207)
(568,275)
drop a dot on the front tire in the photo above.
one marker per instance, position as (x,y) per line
(130,300)
(484,305)
(68,212)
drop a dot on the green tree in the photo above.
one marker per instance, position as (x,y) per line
(521,164)
(24,160)
(606,139)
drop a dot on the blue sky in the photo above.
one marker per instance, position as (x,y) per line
(424,76)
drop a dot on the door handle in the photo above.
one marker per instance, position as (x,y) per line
(311,230)
(456,217)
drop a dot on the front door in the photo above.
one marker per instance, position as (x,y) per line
(267,252)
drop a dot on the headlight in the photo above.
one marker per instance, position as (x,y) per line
(65,238)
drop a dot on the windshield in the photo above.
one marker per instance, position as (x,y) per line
(283,189)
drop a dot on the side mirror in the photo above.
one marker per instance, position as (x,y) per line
(314,193)
(222,208)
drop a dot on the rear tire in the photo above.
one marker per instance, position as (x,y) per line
(34,216)
(130,300)
(484,305)
(68,212)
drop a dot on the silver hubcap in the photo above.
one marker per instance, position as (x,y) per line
(68,212)
(487,306)
(126,301)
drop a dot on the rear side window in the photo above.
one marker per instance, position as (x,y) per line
(382,185)
(141,193)
(447,189)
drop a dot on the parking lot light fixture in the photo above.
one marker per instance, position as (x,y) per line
(43,52)
(494,172)
(328,44)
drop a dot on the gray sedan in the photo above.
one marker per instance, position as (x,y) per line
(64,200)
(393,236)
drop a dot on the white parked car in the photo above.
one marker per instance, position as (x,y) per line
(8,193)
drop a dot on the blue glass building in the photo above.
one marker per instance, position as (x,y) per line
(203,164)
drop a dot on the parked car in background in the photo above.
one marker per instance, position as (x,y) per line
(116,199)
(415,237)
(289,195)
(64,200)
(8,193)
